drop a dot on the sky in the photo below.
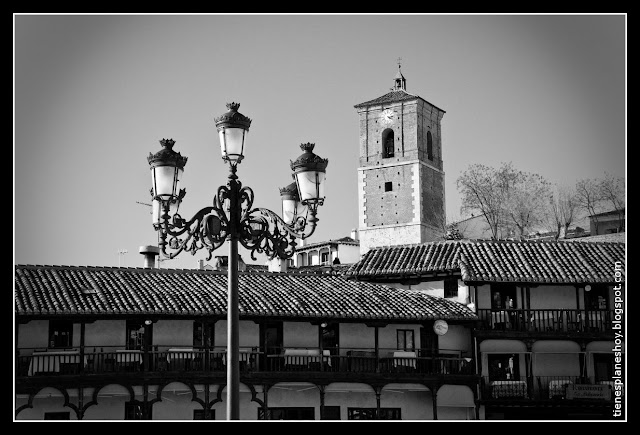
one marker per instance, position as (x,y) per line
(94,95)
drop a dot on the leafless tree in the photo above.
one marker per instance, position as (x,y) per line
(509,199)
(562,211)
(526,202)
(589,198)
(612,192)
(483,189)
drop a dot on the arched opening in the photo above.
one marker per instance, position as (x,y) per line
(429,146)
(388,143)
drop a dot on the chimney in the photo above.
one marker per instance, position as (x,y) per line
(302,242)
(354,234)
(277,265)
(149,252)
(201,264)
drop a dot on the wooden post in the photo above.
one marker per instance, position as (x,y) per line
(434,400)
(205,337)
(16,335)
(321,354)
(377,350)
(145,347)
(265,405)
(80,412)
(145,401)
(82,326)
(321,388)
(206,410)
(475,291)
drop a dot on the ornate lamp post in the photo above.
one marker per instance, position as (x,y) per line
(232,218)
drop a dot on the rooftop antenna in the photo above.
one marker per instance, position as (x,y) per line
(121,252)
(144,203)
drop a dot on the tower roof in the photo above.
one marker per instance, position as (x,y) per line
(398,94)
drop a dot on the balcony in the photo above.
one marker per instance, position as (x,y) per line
(560,321)
(546,388)
(33,364)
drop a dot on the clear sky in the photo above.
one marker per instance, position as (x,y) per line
(94,95)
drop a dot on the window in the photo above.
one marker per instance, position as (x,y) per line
(388,186)
(57,416)
(329,336)
(324,258)
(370,414)
(429,146)
(405,339)
(428,341)
(289,413)
(60,333)
(271,340)
(135,335)
(198,414)
(503,296)
(133,411)
(603,366)
(387,144)
(451,288)
(596,298)
(203,333)
(503,367)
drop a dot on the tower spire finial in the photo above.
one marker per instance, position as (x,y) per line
(399,82)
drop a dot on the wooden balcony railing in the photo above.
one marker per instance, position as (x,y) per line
(548,320)
(97,360)
(542,388)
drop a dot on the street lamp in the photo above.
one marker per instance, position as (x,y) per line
(232,218)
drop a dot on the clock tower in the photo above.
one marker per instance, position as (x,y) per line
(401,177)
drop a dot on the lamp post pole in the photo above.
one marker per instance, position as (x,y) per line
(233,219)
(233,319)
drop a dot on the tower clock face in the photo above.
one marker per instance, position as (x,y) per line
(386,117)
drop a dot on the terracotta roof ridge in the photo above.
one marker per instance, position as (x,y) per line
(412,245)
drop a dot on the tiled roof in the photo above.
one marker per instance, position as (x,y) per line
(342,241)
(496,261)
(614,237)
(395,96)
(609,213)
(391,97)
(61,290)
(335,269)
(407,260)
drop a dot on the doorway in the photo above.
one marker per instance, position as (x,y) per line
(271,342)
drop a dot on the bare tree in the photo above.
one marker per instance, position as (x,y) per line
(508,199)
(562,211)
(526,201)
(612,191)
(589,198)
(485,189)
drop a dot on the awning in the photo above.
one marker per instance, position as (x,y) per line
(459,396)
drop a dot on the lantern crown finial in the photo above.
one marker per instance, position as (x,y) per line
(307,147)
(232,118)
(308,160)
(167,156)
(167,143)
(290,192)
